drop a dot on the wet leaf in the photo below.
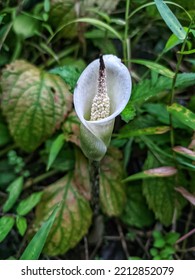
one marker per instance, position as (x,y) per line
(112,192)
(14,190)
(184,115)
(72,220)
(6,224)
(34,103)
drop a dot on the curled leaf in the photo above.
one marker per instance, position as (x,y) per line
(34,103)
(190,197)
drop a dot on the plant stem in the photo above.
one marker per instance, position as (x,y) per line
(126,44)
(172,94)
(94,169)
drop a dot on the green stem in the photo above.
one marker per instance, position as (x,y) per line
(40,178)
(126,44)
(94,169)
(172,94)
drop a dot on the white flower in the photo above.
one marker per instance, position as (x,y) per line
(101,94)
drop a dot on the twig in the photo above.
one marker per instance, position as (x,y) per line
(86,248)
(122,238)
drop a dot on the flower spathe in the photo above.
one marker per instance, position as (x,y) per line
(102,92)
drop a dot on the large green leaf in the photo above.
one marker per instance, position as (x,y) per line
(34,103)
(136,212)
(161,195)
(184,115)
(35,247)
(14,190)
(72,220)
(112,192)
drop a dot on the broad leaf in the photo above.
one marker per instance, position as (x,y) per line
(34,103)
(35,247)
(6,224)
(72,220)
(112,193)
(136,212)
(27,204)
(14,190)
(184,115)
(161,195)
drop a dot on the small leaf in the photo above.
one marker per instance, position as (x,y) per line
(55,149)
(14,190)
(185,152)
(112,193)
(6,224)
(26,205)
(73,218)
(128,113)
(170,19)
(34,103)
(35,247)
(155,67)
(187,52)
(172,42)
(21,224)
(190,197)
(184,115)
(171,238)
(159,243)
(69,74)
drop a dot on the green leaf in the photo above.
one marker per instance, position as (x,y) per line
(68,73)
(136,212)
(26,205)
(155,67)
(160,194)
(21,224)
(35,247)
(171,238)
(159,243)
(184,115)
(185,152)
(147,89)
(143,131)
(33,102)
(14,190)
(187,52)
(6,224)
(73,218)
(172,42)
(55,149)
(170,19)
(112,192)
(92,21)
(128,113)
(25,26)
